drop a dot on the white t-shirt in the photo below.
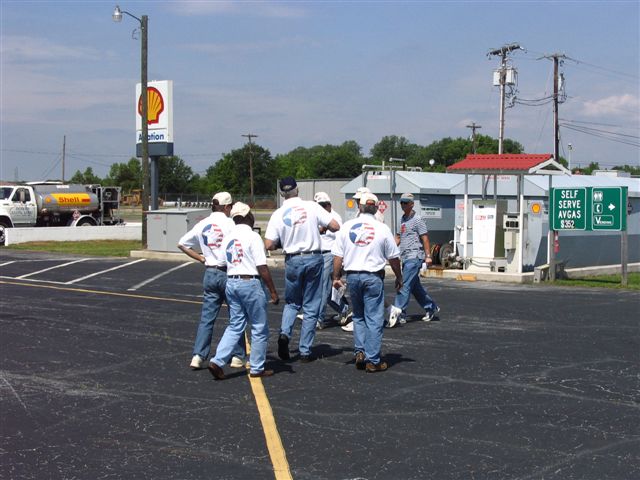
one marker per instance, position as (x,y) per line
(207,234)
(244,251)
(328,238)
(295,225)
(365,244)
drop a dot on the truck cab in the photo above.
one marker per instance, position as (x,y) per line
(18,205)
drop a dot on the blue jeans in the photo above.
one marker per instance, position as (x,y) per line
(303,275)
(367,302)
(213,284)
(247,302)
(327,274)
(411,285)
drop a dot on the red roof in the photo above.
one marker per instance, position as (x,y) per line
(496,163)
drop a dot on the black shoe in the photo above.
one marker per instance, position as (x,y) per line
(307,358)
(283,347)
(360,361)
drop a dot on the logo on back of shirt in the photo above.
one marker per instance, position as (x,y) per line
(362,234)
(212,235)
(234,252)
(294,216)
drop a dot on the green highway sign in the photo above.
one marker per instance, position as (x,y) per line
(609,208)
(588,208)
(568,208)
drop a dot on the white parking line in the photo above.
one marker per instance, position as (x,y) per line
(7,263)
(52,268)
(142,284)
(104,271)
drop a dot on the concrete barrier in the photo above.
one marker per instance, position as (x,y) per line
(72,234)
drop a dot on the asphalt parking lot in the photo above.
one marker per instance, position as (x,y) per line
(514,382)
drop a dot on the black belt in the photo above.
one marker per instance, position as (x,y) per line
(314,252)
(379,273)
(224,269)
(325,251)
(244,277)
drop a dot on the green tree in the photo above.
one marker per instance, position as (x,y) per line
(589,170)
(126,175)
(231,172)
(321,161)
(86,178)
(392,146)
(175,176)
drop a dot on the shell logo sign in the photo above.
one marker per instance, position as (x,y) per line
(155,105)
(159,111)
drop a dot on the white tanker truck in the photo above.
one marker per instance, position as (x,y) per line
(53,204)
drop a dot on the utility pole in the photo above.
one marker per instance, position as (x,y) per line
(556,155)
(473,128)
(250,136)
(64,150)
(502,72)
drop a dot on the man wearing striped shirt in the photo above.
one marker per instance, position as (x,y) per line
(413,240)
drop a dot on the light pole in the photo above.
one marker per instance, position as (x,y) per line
(144,22)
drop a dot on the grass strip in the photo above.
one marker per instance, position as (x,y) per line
(99,248)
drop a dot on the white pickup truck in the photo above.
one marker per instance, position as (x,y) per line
(54,204)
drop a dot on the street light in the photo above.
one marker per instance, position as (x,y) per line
(144,21)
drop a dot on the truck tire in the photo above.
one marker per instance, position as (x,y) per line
(3,224)
(445,255)
(86,222)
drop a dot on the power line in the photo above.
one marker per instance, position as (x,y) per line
(611,136)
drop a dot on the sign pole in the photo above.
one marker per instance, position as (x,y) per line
(550,252)
(624,257)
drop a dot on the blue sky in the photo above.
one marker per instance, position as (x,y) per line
(308,73)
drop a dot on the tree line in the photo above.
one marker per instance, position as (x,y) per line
(231,172)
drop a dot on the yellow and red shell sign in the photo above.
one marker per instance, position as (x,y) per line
(70,199)
(155,105)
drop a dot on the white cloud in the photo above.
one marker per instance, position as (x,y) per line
(23,49)
(255,8)
(618,105)
(248,47)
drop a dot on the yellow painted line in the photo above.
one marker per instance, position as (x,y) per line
(271,435)
(100,292)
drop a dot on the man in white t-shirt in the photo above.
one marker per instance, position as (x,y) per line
(294,228)
(363,246)
(327,239)
(207,237)
(246,267)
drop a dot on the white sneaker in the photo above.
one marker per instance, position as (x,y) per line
(236,362)
(348,327)
(300,316)
(394,315)
(430,315)
(319,325)
(196,362)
